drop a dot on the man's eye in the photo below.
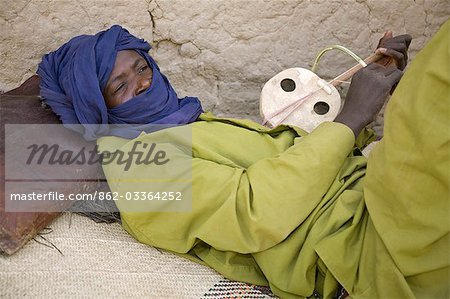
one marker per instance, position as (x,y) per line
(143,69)
(119,87)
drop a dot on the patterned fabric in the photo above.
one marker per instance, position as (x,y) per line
(232,289)
(78,258)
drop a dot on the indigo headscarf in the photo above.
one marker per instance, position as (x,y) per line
(73,77)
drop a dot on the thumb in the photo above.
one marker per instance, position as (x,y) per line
(386,36)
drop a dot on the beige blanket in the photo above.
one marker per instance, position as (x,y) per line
(103,261)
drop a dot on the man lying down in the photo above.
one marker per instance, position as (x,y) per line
(299,212)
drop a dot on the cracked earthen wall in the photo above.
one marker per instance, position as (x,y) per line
(222,51)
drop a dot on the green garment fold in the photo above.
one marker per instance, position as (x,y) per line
(407,187)
(287,209)
(256,196)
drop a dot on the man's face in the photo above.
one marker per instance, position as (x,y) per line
(130,76)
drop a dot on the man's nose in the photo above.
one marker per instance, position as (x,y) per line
(142,85)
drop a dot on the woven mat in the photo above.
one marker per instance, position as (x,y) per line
(103,261)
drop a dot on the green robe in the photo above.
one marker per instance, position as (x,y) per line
(295,211)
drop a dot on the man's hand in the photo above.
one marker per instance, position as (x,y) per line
(394,48)
(371,85)
(368,91)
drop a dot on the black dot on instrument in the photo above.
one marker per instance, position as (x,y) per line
(321,108)
(288,85)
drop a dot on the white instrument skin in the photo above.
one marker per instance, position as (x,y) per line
(310,102)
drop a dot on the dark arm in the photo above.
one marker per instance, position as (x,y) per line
(371,85)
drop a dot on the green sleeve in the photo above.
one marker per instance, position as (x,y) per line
(250,209)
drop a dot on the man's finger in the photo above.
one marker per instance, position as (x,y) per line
(395,76)
(397,46)
(374,66)
(386,36)
(404,38)
(400,42)
(399,57)
(389,70)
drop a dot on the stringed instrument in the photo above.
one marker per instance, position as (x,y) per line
(299,97)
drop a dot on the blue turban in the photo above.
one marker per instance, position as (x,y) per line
(73,77)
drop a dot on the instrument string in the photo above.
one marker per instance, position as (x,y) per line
(335,81)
